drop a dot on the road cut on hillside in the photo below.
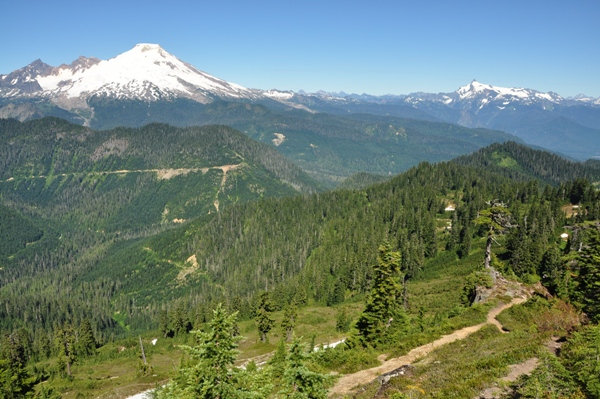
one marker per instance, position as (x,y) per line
(348,382)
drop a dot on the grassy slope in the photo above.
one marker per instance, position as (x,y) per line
(436,291)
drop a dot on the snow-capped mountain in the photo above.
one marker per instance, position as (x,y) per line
(465,97)
(479,92)
(567,125)
(99,93)
(146,72)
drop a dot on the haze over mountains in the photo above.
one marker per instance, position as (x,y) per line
(165,193)
(147,84)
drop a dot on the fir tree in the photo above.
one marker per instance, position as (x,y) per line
(15,380)
(589,276)
(289,320)
(210,373)
(263,320)
(163,323)
(338,294)
(181,322)
(46,392)
(581,356)
(549,380)
(497,219)
(382,303)
(65,341)
(342,321)
(277,361)
(86,344)
(299,382)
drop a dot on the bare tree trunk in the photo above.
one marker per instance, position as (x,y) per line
(68,361)
(488,250)
(404,293)
(143,353)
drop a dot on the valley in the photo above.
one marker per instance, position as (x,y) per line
(161,228)
(127,274)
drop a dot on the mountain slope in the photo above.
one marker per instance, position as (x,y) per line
(520,162)
(567,125)
(147,84)
(146,72)
(130,179)
(329,147)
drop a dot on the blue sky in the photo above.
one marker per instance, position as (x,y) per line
(374,47)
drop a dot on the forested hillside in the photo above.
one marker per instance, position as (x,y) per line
(67,193)
(518,161)
(95,249)
(127,180)
(329,146)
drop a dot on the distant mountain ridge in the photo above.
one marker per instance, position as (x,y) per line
(147,84)
(567,125)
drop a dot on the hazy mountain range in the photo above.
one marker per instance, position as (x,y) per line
(148,84)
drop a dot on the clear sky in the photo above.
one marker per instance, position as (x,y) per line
(374,47)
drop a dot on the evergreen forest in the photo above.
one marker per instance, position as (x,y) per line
(198,263)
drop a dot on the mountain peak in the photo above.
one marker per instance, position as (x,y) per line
(146,47)
(145,72)
(476,90)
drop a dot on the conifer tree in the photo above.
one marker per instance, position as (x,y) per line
(46,392)
(277,361)
(337,294)
(581,356)
(289,320)
(181,322)
(465,242)
(163,323)
(589,276)
(383,301)
(15,380)
(299,382)
(263,320)
(497,219)
(549,380)
(342,321)
(65,341)
(86,344)
(210,373)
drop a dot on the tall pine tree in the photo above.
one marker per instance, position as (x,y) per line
(384,299)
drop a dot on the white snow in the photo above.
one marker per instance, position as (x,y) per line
(544,96)
(507,94)
(331,345)
(136,72)
(142,395)
(280,95)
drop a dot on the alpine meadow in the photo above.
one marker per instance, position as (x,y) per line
(168,234)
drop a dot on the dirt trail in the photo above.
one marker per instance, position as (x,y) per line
(162,174)
(345,384)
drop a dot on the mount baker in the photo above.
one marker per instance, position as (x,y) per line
(147,80)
